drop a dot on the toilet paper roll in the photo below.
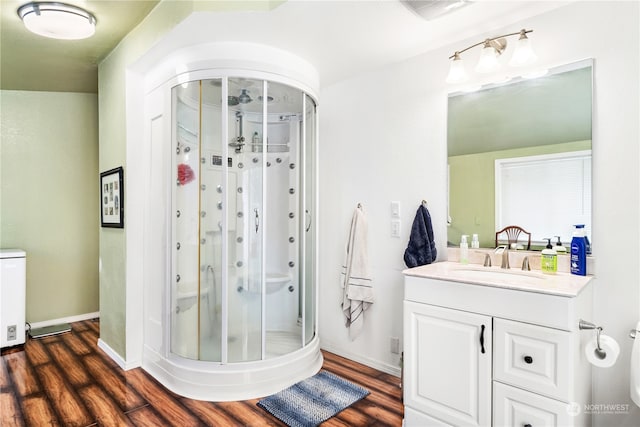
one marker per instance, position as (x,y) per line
(610,347)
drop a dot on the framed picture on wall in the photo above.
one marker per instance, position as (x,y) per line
(112,198)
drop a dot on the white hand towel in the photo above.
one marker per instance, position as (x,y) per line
(355,280)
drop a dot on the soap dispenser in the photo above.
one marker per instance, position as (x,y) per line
(560,249)
(549,259)
(475,243)
(464,250)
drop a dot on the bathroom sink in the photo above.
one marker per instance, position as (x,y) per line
(563,284)
(496,274)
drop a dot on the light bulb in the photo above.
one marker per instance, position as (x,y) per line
(488,59)
(523,53)
(457,73)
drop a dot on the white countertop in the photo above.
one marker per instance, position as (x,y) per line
(562,284)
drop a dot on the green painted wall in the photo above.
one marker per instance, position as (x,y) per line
(112,135)
(472,189)
(49,197)
(112,131)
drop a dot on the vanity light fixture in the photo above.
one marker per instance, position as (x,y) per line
(492,48)
(57,20)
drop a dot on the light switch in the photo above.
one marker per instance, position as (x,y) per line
(395,209)
(395,228)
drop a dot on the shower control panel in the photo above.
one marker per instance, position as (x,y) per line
(217,161)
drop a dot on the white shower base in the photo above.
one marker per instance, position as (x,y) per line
(213,381)
(278,343)
(282,342)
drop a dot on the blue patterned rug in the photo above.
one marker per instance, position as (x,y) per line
(314,400)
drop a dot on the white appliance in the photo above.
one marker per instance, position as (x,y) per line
(13,274)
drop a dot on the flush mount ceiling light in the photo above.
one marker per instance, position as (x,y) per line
(433,9)
(492,48)
(57,20)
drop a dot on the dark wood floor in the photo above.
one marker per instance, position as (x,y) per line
(66,380)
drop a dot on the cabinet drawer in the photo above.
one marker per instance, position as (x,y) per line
(515,407)
(532,357)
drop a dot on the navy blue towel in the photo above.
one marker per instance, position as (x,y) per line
(421,249)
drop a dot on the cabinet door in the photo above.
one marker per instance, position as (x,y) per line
(447,364)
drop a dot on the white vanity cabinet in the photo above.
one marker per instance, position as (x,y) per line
(488,355)
(447,359)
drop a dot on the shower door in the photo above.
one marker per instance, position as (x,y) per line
(243,257)
(246,222)
(194,263)
(309,231)
(284,205)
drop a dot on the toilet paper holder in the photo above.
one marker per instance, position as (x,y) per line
(583,324)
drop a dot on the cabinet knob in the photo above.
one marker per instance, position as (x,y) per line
(527,425)
(528,360)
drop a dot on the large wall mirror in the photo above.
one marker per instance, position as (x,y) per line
(519,153)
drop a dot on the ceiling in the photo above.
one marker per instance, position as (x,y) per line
(32,62)
(548,110)
(340,38)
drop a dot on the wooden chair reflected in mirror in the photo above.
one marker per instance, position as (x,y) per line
(513,232)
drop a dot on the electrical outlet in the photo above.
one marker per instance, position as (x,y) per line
(394,345)
(11,332)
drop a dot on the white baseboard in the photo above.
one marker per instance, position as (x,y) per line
(70,319)
(101,344)
(376,364)
(116,357)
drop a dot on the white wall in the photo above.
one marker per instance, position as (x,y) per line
(383,138)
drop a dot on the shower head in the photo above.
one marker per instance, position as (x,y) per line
(244,97)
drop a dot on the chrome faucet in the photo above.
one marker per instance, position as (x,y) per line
(487,260)
(505,258)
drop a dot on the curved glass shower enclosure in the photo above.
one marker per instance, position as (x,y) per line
(243,203)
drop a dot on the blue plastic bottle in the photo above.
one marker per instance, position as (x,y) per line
(587,247)
(579,252)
